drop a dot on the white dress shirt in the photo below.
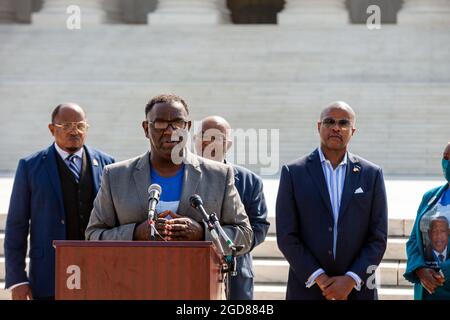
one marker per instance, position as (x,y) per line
(444,253)
(335,179)
(64,154)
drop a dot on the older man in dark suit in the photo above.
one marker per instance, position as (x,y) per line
(212,142)
(52,199)
(331,216)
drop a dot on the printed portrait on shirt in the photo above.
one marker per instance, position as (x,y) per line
(434,227)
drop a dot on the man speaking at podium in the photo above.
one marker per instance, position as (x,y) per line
(120,208)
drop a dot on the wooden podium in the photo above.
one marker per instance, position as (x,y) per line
(137,270)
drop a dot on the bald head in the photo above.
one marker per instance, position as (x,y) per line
(338,105)
(68,107)
(447,151)
(213,139)
(216,122)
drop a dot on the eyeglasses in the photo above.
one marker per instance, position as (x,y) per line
(342,123)
(81,126)
(163,125)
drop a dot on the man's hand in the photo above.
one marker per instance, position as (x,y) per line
(142,231)
(430,279)
(22,292)
(340,288)
(181,228)
(324,281)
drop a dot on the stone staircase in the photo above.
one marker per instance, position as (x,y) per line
(268,76)
(274,77)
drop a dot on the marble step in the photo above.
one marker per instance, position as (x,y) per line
(4,294)
(396,227)
(396,249)
(278,292)
(276,271)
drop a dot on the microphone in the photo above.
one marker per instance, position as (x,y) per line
(214,226)
(197,203)
(154,193)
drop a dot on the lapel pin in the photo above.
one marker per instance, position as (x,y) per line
(355,169)
(95,162)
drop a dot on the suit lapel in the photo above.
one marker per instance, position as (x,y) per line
(448,253)
(52,169)
(141,177)
(352,176)
(93,161)
(315,170)
(191,179)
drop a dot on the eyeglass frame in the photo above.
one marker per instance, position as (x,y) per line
(337,122)
(73,124)
(169,123)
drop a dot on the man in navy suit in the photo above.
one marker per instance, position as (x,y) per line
(213,142)
(52,199)
(331,216)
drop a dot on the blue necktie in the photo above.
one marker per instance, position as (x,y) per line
(73,166)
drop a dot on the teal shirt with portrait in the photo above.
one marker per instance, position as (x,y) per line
(415,251)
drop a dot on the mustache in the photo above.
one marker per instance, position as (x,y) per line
(335,136)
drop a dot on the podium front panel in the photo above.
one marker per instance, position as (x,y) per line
(132,270)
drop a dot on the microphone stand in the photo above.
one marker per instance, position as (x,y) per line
(230,259)
(152,229)
(214,227)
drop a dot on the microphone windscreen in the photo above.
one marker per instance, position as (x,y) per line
(195,200)
(154,190)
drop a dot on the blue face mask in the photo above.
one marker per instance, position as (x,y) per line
(446,169)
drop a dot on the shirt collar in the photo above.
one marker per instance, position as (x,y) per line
(64,154)
(444,253)
(323,159)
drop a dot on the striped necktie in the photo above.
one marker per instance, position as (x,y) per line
(73,166)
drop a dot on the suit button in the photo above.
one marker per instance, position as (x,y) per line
(330,229)
(62,221)
(330,252)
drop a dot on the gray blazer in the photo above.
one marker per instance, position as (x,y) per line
(122,202)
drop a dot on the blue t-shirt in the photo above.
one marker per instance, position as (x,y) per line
(170,190)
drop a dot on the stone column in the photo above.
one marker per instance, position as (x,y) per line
(113,11)
(54,12)
(192,12)
(7,11)
(315,13)
(425,13)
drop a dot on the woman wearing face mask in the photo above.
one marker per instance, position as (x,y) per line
(428,252)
